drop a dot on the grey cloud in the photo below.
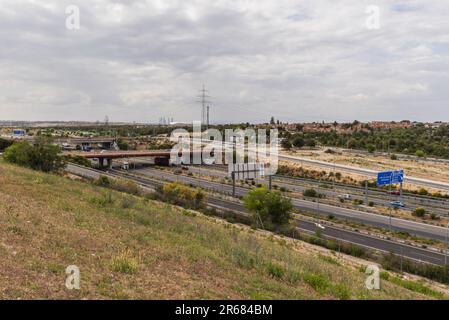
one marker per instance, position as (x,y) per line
(296,60)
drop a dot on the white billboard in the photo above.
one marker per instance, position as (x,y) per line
(244,171)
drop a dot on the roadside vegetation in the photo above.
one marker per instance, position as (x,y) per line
(4,144)
(42,155)
(417,140)
(271,210)
(130,247)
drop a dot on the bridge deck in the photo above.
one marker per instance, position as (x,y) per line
(122,154)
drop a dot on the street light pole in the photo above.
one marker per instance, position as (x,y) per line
(391,178)
(445,251)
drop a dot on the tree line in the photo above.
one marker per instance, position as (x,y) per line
(418,140)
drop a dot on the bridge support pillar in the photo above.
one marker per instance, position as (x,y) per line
(109,161)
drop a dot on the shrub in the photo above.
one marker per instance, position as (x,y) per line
(420,212)
(318,282)
(423,192)
(420,153)
(103,181)
(43,155)
(123,263)
(341,291)
(310,193)
(183,195)
(4,144)
(276,271)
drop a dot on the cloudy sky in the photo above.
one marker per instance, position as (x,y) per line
(138,60)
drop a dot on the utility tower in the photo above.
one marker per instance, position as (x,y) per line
(204,100)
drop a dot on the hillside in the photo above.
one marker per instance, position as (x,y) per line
(133,248)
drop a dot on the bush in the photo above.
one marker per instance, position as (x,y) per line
(433,216)
(420,212)
(310,193)
(122,185)
(420,153)
(276,271)
(103,181)
(4,144)
(286,144)
(423,192)
(43,155)
(298,142)
(318,282)
(182,195)
(124,264)
(341,291)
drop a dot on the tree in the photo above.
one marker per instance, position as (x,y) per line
(271,207)
(371,148)
(5,144)
(123,145)
(286,144)
(19,153)
(43,155)
(298,142)
(311,143)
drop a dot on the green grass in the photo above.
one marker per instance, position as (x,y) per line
(129,247)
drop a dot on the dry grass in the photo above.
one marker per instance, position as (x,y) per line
(149,250)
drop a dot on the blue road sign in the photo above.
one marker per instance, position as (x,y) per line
(390,177)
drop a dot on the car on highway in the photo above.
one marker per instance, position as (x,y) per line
(394,193)
(397,204)
(345,196)
(319,225)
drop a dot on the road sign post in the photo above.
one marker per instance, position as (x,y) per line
(366,192)
(242,171)
(390,178)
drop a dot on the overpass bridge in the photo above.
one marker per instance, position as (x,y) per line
(161,156)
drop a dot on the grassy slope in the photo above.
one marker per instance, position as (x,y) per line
(133,248)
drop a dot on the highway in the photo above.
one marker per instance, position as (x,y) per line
(439,207)
(365,172)
(415,253)
(370,219)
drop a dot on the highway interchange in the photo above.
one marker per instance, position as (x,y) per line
(151,178)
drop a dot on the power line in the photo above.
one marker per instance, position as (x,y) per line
(203,96)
